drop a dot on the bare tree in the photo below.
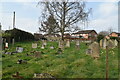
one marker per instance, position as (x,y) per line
(104,33)
(50,26)
(66,14)
(110,30)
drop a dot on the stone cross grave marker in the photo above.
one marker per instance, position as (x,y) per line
(34,45)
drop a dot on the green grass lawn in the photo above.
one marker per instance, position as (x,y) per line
(72,63)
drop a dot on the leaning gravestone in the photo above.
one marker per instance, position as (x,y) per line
(34,45)
(19,49)
(67,43)
(94,50)
(110,44)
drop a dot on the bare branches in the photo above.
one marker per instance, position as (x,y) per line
(66,13)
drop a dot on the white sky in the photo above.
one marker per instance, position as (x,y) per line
(105,14)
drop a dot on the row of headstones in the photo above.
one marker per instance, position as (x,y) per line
(110,43)
(60,44)
(94,48)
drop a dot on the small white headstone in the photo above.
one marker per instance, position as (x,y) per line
(42,47)
(6,45)
(34,45)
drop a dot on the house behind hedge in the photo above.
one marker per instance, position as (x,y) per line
(18,35)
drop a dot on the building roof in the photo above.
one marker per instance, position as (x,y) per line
(85,32)
(116,33)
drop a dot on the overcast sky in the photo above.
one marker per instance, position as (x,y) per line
(104,15)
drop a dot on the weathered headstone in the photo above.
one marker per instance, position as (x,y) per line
(94,49)
(104,43)
(34,45)
(59,51)
(67,43)
(44,42)
(42,75)
(88,51)
(101,43)
(116,42)
(37,54)
(77,44)
(110,44)
(19,49)
(61,44)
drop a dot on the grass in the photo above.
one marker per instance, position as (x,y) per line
(72,63)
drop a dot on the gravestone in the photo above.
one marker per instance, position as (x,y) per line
(116,42)
(88,51)
(77,44)
(59,51)
(19,49)
(101,43)
(6,45)
(110,44)
(37,54)
(94,50)
(34,45)
(67,43)
(42,75)
(44,42)
(43,47)
(61,44)
(51,47)
(104,43)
